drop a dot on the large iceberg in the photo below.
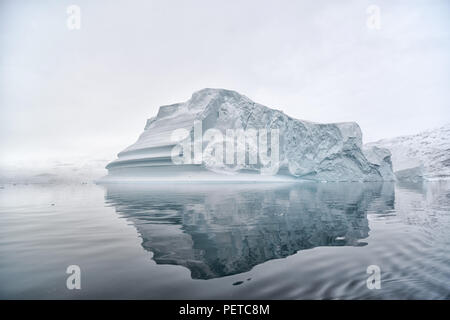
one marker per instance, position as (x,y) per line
(304,150)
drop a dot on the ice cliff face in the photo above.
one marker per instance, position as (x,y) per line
(424,155)
(307,150)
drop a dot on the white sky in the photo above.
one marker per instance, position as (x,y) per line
(73,93)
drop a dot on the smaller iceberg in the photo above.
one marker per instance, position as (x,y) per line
(422,156)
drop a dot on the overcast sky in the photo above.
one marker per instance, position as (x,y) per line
(68,93)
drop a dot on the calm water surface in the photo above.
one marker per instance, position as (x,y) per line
(226,241)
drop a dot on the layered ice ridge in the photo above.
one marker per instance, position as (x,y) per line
(307,150)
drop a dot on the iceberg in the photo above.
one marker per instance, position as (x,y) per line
(422,156)
(266,145)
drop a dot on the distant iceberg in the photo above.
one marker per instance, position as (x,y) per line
(304,150)
(422,156)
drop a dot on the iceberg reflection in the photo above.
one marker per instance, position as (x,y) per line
(216,230)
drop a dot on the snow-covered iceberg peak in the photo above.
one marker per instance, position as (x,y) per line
(303,149)
(424,155)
